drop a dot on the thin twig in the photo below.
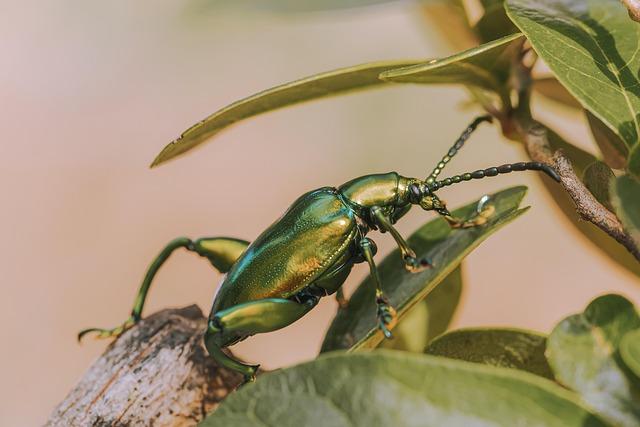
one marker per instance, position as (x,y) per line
(588,207)
(535,137)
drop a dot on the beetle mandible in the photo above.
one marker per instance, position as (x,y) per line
(309,252)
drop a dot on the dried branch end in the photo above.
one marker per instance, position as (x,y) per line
(587,206)
(633,6)
(157,373)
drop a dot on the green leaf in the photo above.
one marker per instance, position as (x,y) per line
(581,351)
(313,87)
(580,160)
(597,178)
(634,161)
(630,351)
(429,318)
(355,327)
(494,23)
(591,47)
(485,67)
(613,149)
(392,388)
(625,196)
(507,348)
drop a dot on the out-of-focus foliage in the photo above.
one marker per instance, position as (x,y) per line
(625,191)
(504,347)
(430,317)
(597,177)
(582,350)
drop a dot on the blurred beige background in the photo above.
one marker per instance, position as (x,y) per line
(92,91)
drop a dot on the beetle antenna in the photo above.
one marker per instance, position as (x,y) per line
(457,146)
(482,173)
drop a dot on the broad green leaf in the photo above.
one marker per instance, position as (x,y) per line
(630,351)
(609,247)
(597,178)
(582,353)
(494,23)
(625,195)
(551,88)
(591,46)
(485,67)
(355,327)
(429,318)
(507,348)
(613,149)
(313,87)
(394,388)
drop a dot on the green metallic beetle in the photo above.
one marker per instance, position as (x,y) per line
(309,252)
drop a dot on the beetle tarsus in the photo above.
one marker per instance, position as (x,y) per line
(386,314)
(109,333)
(416,265)
(251,376)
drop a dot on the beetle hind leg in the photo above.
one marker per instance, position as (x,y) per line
(222,252)
(237,322)
(213,341)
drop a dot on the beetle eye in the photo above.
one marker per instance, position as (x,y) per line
(414,193)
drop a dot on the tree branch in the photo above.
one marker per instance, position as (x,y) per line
(588,207)
(633,6)
(157,373)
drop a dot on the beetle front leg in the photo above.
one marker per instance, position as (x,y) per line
(240,321)
(411,261)
(222,252)
(483,212)
(385,312)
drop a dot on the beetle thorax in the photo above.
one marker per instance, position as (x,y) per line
(388,191)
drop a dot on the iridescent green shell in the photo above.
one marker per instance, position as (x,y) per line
(313,237)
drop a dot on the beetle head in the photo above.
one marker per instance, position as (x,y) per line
(422,194)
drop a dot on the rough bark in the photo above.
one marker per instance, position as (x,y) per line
(587,206)
(156,374)
(633,6)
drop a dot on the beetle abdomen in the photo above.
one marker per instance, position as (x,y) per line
(295,250)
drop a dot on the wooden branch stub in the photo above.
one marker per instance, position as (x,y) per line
(588,207)
(156,374)
(633,6)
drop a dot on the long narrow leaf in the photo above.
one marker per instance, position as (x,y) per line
(306,89)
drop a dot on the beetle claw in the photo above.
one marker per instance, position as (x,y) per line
(251,376)
(387,316)
(484,210)
(416,265)
(108,333)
